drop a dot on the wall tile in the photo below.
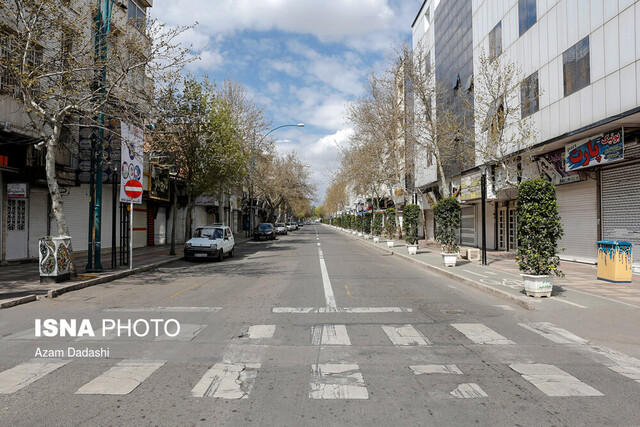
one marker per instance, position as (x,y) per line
(638,84)
(627,29)
(572,21)
(599,100)
(565,115)
(543,86)
(623,4)
(628,87)
(554,119)
(555,80)
(584,23)
(637,21)
(596,13)
(612,93)
(586,106)
(611,51)
(543,40)
(561,32)
(574,110)
(545,124)
(610,9)
(552,36)
(596,54)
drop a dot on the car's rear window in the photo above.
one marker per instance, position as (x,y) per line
(209,233)
(264,226)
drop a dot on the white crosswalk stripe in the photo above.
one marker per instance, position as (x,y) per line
(122,378)
(468,391)
(553,381)
(227,381)
(481,334)
(337,381)
(330,335)
(24,374)
(435,369)
(405,335)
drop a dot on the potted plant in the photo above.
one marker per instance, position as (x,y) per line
(390,226)
(410,221)
(539,230)
(447,215)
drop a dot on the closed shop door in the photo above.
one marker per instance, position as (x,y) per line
(38,218)
(577,205)
(17,228)
(621,207)
(468,226)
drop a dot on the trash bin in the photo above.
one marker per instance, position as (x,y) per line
(54,259)
(615,262)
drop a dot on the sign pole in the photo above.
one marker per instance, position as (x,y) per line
(131,236)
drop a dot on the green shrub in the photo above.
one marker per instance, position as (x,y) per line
(447,216)
(358,223)
(411,221)
(539,228)
(390,224)
(376,228)
(367,223)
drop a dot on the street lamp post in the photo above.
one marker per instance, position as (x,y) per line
(253,147)
(483,201)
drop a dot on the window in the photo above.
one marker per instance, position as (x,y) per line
(495,41)
(137,14)
(529,95)
(527,14)
(7,61)
(575,67)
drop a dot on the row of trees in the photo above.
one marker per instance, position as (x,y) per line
(70,64)
(407,118)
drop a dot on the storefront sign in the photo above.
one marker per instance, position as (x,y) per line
(206,201)
(159,182)
(552,166)
(17,191)
(596,151)
(131,165)
(470,187)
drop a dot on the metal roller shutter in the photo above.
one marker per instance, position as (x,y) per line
(578,208)
(620,200)
(468,226)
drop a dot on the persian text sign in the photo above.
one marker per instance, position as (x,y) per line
(131,162)
(596,151)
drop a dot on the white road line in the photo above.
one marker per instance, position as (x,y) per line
(405,335)
(468,391)
(435,369)
(481,334)
(506,307)
(187,333)
(166,309)
(477,274)
(326,283)
(618,362)
(24,374)
(122,378)
(349,310)
(227,381)
(337,381)
(552,333)
(553,381)
(319,244)
(257,332)
(491,273)
(569,302)
(330,335)
(605,298)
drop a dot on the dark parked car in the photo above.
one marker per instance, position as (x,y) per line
(265,231)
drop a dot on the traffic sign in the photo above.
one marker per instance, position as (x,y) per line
(133,188)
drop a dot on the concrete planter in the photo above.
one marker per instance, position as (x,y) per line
(376,240)
(367,237)
(359,234)
(390,243)
(449,260)
(413,249)
(54,259)
(537,286)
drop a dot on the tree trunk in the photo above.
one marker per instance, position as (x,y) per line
(221,203)
(189,227)
(174,211)
(56,198)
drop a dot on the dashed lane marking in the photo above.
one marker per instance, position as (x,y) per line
(481,334)
(553,381)
(122,378)
(405,335)
(330,335)
(24,374)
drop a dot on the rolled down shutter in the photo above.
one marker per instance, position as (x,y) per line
(620,200)
(578,208)
(468,226)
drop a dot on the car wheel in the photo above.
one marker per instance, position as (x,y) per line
(220,254)
(231,252)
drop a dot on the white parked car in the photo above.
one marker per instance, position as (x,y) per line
(210,241)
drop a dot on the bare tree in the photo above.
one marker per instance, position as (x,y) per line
(60,76)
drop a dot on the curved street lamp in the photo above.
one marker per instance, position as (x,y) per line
(250,231)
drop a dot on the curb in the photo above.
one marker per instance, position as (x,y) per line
(108,278)
(481,286)
(17,301)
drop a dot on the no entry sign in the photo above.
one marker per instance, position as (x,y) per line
(133,188)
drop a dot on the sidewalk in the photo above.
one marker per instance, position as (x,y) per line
(501,276)
(20,283)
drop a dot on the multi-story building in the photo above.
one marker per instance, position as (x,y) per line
(582,62)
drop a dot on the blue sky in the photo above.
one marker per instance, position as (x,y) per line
(304,60)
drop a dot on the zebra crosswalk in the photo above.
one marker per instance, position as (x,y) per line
(235,375)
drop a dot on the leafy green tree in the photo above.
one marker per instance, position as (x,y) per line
(367,223)
(376,228)
(390,224)
(539,228)
(410,221)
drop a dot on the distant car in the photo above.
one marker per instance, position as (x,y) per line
(211,241)
(265,231)
(281,228)
(291,226)
(300,224)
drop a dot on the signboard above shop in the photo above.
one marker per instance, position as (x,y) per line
(17,191)
(596,151)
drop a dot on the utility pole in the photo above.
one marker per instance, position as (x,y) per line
(102,27)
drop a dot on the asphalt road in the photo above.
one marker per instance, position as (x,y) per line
(314,329)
